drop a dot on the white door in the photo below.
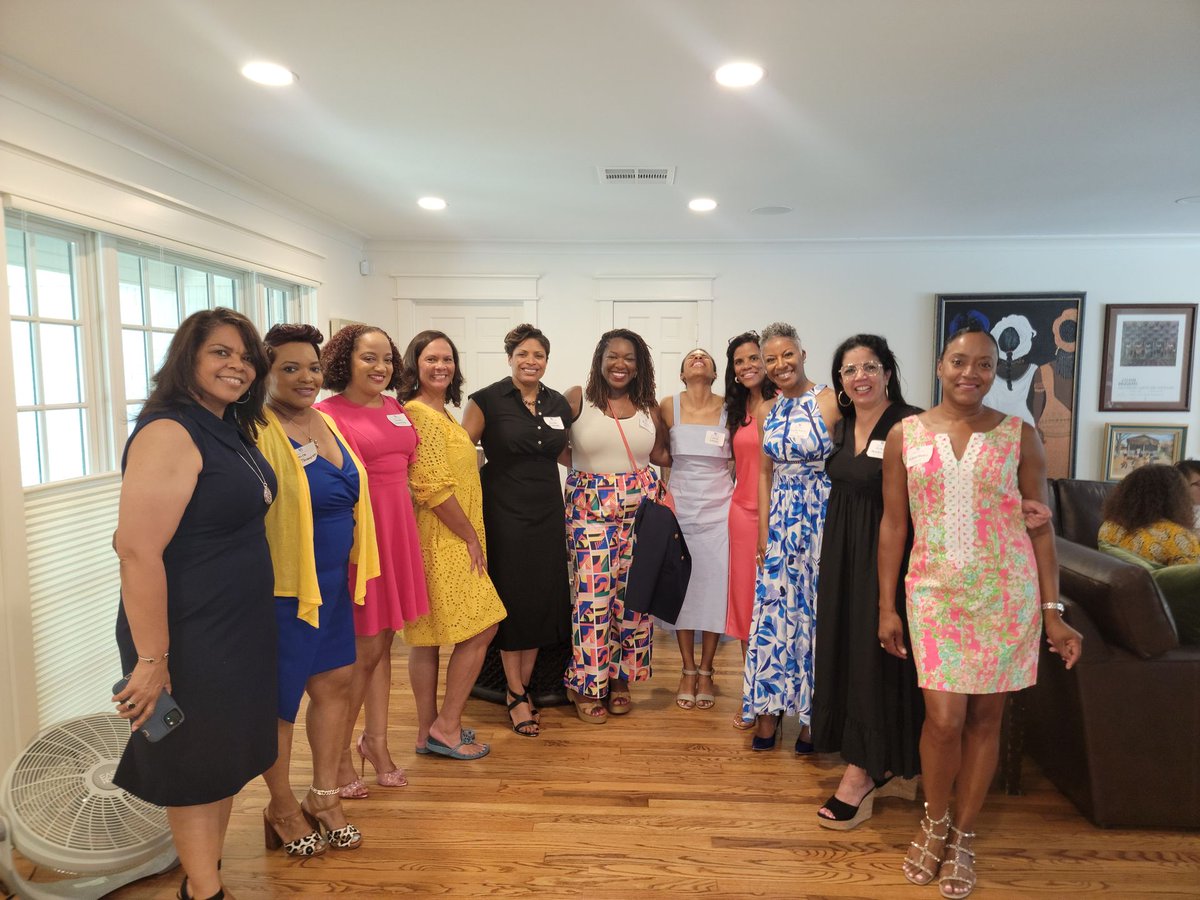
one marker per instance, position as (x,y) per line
(478,331)
(670,328)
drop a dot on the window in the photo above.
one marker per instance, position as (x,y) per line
(54,418)
(86,344)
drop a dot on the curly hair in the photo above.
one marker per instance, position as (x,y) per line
(410,378)
(641,389)
(1188,467)
(1147,495)
(737,395)
(523,333)
(175,383)
(292,334)
(338,353)
(877,345)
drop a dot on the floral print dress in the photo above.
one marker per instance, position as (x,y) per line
(778,676)
(973,609)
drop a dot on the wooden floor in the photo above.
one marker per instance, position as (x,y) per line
(669,802)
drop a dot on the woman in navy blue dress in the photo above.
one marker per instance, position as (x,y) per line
(314,534)
(196,584)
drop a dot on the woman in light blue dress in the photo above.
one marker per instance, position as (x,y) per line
(702,486)
(793,491)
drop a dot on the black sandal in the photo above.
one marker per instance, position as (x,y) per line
(528,728)
(533,710)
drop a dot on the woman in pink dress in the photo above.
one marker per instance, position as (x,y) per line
(982,584)
(361,362)
(746,388)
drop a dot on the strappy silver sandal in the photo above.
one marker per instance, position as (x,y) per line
(955,869)
(916,870)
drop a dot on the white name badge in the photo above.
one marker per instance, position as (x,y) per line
(400,420)
(716,438)
(918,456)
(554,422)
(307,453)
(875,449)
(646,422)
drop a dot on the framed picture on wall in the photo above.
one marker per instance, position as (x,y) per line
(1148,357)
(1129,447)
(1037,376)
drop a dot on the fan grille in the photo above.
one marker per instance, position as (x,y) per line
(60,793)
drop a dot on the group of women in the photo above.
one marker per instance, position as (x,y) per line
(365,514)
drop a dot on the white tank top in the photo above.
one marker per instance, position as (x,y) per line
(596,444)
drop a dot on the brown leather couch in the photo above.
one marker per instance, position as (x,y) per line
(1120,733)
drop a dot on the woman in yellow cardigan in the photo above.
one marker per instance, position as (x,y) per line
(319,525)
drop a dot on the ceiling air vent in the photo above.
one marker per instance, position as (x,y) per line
(636,174)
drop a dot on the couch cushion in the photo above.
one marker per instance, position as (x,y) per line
(1126,556)
(1180,586)
(1122,599)
(1081,508)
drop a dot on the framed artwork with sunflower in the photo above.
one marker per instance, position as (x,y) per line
(1037,375)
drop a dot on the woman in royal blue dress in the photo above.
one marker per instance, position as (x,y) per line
(321,522)
(793,491)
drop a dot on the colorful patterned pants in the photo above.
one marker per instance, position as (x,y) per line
(606,641)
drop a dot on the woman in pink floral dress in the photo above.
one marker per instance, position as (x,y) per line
(982,584)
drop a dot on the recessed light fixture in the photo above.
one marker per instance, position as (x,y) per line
(771,210)
(739,74)
(433,203)
(268,73)
(1195,199)
(702,204)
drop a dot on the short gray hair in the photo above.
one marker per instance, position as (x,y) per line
(780,329)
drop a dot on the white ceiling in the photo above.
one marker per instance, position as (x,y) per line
(877,118)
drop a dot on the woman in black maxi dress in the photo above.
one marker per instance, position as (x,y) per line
(523,428)
(865,703)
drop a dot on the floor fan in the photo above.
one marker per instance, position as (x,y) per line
(60,809)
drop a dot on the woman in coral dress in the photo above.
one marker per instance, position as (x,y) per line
(981,588)
(360,361)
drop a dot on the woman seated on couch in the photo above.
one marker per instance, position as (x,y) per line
(1150,514)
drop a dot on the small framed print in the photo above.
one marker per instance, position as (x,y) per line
(1148,357)
(1129,447)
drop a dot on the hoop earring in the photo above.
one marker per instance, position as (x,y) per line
(737,380)
(847,404)
(245,398)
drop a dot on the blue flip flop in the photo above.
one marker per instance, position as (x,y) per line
(467,736)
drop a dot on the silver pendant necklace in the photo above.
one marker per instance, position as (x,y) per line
(253,466)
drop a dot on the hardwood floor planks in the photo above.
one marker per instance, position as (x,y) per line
(671,803)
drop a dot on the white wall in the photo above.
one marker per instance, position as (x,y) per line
(65,159)
(829,291)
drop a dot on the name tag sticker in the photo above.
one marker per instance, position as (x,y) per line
(918,456)
(646,422)
(307,453)
(716,438)
(400,420)
(554,422)
(875,449)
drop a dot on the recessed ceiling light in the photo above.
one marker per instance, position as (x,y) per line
(434,203)
(771,210)
(739,74)
(268,73)
(702,204)
(1195,199)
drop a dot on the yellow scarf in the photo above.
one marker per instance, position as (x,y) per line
(290,524)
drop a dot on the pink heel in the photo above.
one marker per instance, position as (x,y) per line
(394,778)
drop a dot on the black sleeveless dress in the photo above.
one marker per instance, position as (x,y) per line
(865,702)
(221,621)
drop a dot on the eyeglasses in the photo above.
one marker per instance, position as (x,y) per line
(870,369)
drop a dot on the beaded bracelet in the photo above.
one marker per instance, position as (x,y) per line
(1057,607)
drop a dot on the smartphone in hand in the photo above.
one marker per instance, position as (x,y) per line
(167,714)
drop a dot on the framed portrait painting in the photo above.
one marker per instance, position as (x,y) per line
(1148,357)
(1129,447)
(1037,374)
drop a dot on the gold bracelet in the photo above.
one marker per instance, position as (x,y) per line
(1056,606)
(151,659)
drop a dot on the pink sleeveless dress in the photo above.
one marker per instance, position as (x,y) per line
(743,530)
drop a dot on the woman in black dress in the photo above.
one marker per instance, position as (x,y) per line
(866,703)
(523,426)
(196,582)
